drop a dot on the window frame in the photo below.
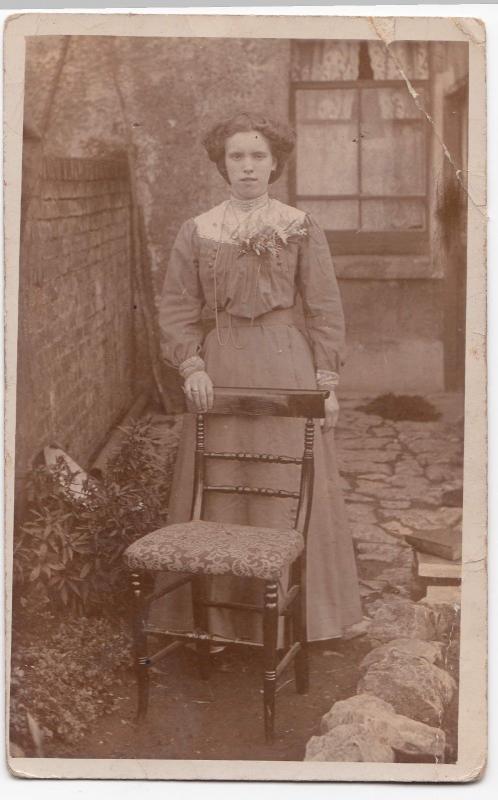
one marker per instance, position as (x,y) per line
(352,242)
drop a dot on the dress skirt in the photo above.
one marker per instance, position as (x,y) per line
(268,352)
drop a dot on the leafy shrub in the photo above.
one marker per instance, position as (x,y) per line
(67,679)
(402,407)
(68,552)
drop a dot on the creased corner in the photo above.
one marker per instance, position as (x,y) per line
(385,30)
(472,28)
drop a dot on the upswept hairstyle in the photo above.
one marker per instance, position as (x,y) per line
(280,137)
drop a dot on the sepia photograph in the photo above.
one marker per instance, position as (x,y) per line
(240,360)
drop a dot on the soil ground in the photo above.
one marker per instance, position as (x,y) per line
(223,718)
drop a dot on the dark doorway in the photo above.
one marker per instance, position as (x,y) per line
(453,214)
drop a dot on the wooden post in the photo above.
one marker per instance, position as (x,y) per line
(140,646)
(270,628)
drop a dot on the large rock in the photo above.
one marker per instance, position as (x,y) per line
(349,743)
(400,618)
(403,734)
(413,686)
(432,652)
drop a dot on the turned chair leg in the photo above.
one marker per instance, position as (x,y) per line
(201,623)
(299,623)
(270,629)
(140,646)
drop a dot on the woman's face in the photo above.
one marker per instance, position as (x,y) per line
(249,163)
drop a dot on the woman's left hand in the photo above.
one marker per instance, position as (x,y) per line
(331,413)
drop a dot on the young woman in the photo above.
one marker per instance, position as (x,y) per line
(243,264)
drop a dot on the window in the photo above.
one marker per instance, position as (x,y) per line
(361,159)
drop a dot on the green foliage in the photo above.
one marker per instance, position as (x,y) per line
(68,553)
(68,675)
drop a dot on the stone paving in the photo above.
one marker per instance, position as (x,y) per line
(398,478)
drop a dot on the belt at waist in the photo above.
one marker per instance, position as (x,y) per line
(279,316)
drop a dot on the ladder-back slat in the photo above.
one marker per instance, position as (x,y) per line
(267,458)
(268,402)
(262,491)
(304,404)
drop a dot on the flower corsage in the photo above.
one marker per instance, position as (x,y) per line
(261,237)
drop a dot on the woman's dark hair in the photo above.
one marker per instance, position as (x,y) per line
(280,137)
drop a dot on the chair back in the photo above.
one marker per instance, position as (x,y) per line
(297,403)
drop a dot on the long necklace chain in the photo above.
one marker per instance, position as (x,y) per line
(239,222)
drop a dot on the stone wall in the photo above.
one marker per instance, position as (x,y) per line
(154,97)
(157,96)
(78,367)
(394,335)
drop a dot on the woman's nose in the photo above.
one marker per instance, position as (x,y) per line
(248,167)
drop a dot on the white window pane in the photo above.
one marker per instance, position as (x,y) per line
(327,141)
(393,159)
(333,215)
(391,103)
(323,104)
(393,143)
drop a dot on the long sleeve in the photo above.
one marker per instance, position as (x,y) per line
(181,301)
(323,314)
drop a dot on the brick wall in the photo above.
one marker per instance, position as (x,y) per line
(81,355)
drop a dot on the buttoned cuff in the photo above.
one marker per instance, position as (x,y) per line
(191,365)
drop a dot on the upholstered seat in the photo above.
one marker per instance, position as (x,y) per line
(214,548)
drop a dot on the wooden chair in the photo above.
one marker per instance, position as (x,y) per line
(200,548)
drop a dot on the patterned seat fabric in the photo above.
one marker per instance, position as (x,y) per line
(215,548)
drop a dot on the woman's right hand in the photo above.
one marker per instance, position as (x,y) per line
(199,390)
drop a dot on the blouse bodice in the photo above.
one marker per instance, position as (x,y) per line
(214,265)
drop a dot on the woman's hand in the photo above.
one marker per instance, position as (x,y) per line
(199,389)
(331,413)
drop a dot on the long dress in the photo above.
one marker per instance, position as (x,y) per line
(256,343)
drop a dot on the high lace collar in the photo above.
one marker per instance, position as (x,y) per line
(246,206)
